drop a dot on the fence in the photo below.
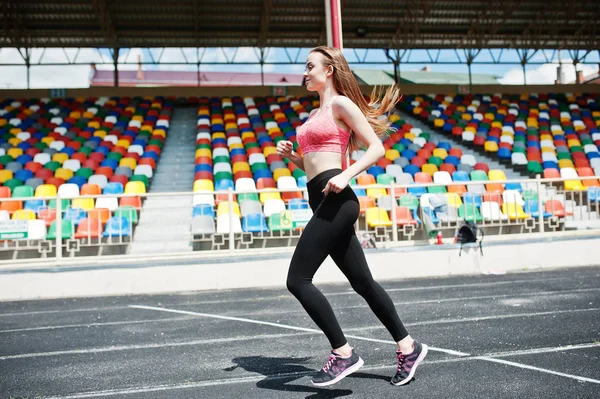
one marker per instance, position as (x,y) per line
(224,222)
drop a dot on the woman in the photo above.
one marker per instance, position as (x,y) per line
(344,121)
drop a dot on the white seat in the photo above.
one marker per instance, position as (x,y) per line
(468,159)
(72,164)
(112,138)
(507,139)
(68,190)
(590,148)
(198,199)
(512,196)
(223,224)
(274,206)
(162,123)
(234,140)
(110,119)
(468,136)
(595,163)
(135,123)
(136,148)
(99,180)
(568,173)
(203,135)
(245,184)
(271,125)
(4,215)
(416,131)
(476,188)
(420,141)
(547,144)
(287,183)
(394,170)
(549,157)
(405,178)
(42,158)
(36,229)
(57,145)
(242,120)
(3,152)
(442,177)
(490,211)
(256,158)
(145,170)
(110,203)
(23,136)
(220,152)
(221,167)
(518,158)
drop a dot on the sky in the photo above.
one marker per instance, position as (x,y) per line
(78,76)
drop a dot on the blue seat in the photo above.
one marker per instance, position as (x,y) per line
(550,165)
(103,150)
(113,188)
(302,181)
(117,227)
(262,173)
(375,171)
(111,163)
(79,180)
(150,154)
(24,158)
(472,199)
(429,211)
(254,223)
(593,194)
(504,153)
(23,174)
(460,175)
(360,192)
(412,169)
(417,191)
(203,167)
(68,150)
(452,160)
(219,141)
(531,207)
(203,210)
(75,215)
(445,145)
(34,205)
(408,154)
(224,184)
(513,186)
(298,203)
(237,151)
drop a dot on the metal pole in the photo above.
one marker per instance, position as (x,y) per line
(116,66)
(231,216)
(328,23)
(336,24)
(394,218)
(58,222)
(538,184)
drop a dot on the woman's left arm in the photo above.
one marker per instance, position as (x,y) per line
(343,108)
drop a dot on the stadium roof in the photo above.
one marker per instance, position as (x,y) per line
(532,24)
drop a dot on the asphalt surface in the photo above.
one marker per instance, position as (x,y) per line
(527,334)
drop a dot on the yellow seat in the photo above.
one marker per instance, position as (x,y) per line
(377,217)
(409,136)
(574,185)
(240,167)
(429,168)
(223,208)
(264,197)
(123,143)
(60,157)
(159,132)
(549,149)
(24,214)
(14,152)
(130,162)
(63,173)
(100,133)
(87,204)
(438,122)
(47,140)
(440,152)
(137,118)
(219,135)
(565,163)
(392,154)
(5,175)
(496,174)
(45,190)
(453,199)
(281,172)
(14,141)
(573,143)
(94,124)
(248,135)
(514,211)
(236,146)
(204,185)
(135,187)
(491,146)
(376,192)
(269,151)
(203,152)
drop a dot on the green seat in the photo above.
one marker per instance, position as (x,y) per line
(278,223)
(409,201)
(437,161)
(384,178)
(63,202)
(437,190)
(114,155)
(82,140)
(84,172)
(297,173)
(247,197)
(86,150)
(251,144)
(204,145)
(563,155)
(530,195)
(534,167)
(41,145)
(5,159)
(469,212)
(221,158)
(576,148)
(399,147)
(22,192)
(223,176)
(142,178)
(52,165)
(156,142)
(259,166)
(479,175)
(425,135)
(13,184)
(128,212)
(67,230)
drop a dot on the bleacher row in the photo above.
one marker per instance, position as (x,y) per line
(79,147)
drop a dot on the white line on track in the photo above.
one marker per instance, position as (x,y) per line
(449,351)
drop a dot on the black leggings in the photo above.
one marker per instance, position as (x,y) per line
(331,232)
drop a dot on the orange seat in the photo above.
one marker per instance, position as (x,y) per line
(5,192)
(493,197)
(365,203)
(135,202)
(494,188)
(555,207)
(100,214)
(399,191)
(460,189)
(89,228)
(90,189)
(422,177)
(11,206)
(551,173)
(48,215)
(287,196)
(587,172)
(365,179)
(404,216)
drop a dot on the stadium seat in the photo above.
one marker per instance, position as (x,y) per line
(254,223)
(117,227)
(377,217)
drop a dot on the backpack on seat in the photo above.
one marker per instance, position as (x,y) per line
(467,233)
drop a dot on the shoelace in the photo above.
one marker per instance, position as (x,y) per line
(400,361)
(329,363)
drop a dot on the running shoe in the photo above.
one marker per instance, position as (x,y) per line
(337,368)
(407,364)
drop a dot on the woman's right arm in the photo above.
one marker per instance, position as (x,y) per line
(285,149)
(297,159)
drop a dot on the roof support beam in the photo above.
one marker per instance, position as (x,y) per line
(264,23)
(103,14)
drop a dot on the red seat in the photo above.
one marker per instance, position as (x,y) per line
(418,161)
(148,161)
(136,202)
(89,228)
(555,207)
(383,162)
(482,166)
(422,177)
(447,167)
(119,179)
(104,170)
(96,156)
(265,182)
(80,156)
(404,216)
(55,181)
(242,173)
(203,174)
(33,166)
(5,192)
(44,174)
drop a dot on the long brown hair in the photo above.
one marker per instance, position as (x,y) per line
(345,84)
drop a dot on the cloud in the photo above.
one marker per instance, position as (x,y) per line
(544,74)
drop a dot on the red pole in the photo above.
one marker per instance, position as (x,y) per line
(336,24)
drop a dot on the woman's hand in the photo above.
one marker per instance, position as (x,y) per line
(284,148)
(336,184)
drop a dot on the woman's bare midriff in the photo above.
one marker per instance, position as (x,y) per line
(317,162)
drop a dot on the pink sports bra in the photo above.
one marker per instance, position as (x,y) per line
(320,133)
